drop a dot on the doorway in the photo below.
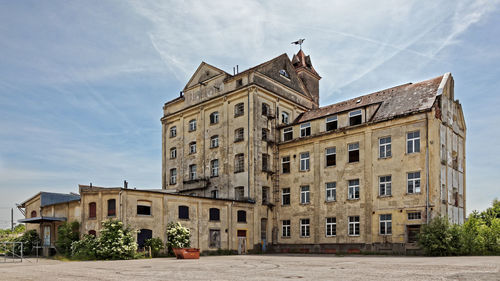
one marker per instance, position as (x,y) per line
(412,231)
(142,236)
(242,241)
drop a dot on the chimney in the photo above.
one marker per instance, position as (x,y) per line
(125,184)
(90,185)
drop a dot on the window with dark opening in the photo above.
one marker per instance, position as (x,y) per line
(242,216)
(331,123)
(239,134)
(92,210)
(111,207)
(214,117)
(305,130)
(239,163)
(265,109)
(239,193)
(183,212)
(33,214)
(285,165)
(265,195)
(265,133)
(239,109)
(285,196)
(331,157)
(93,233)
(287,134)
(353,149)
(214,214)
(265,162)
(144,208)
(355,117)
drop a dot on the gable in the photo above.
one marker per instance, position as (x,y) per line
(203,73)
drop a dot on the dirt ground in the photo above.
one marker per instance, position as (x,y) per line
(261,267)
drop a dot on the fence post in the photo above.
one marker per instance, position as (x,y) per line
(22,251)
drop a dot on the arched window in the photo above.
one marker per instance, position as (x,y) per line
(92,210)
(242,216)
(184,212)
(93,233)
(33,214)
(111,207)
(214,214)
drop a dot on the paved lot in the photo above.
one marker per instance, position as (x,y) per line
(266,267)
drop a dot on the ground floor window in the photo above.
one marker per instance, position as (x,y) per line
(305,228)
(386,224)
(353,226)
(331,227)
(214,238)
(285,227)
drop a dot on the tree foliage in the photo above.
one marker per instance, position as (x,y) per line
(178,236)
(156,245)
(67,233)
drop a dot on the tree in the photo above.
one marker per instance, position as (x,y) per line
(67,233)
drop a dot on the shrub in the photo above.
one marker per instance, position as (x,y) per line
(30,239)
(67,233)
(178,236)
(85,249)
(156,245)
(115,241)
(439,238)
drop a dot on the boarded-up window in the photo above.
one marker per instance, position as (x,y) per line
(242,216)
(111,207)
(184,212)
(144,208)
(33,214)
(92,210)
(214,214)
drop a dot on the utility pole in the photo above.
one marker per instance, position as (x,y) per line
(12,219)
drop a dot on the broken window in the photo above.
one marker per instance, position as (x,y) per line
(214,214)
(284,73)
(192,125)
(239,163)
(111,207)
(305,228)
(305,129)
(287,134)
(285,196)
(331,227)
(265,133)
(214,194)
(214,238)
(214,141)
(265,109)
(265,195)
(331,191)
(242,216)
(285,165)
(144,208)
(353,227)
(214,168)
(239,134)
(284,117)
(385,186)
(173,132)
(239,109)
(331,156)
(192,147)
(304,195)
(386,224)
(92,210)
(214,117)
(192,172)
(183,212)
(285,228)
(353,149)
(413,142)
(173,153)
(265,162)
(413,182)
(414,216)
(385,147)
(239,193)
(173,176)
(355,117)
(331,123)
(304,161)
(353,189)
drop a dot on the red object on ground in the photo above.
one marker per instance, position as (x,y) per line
(187,253)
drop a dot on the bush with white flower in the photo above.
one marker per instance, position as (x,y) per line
(178,236)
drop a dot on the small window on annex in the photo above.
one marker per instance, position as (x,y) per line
(331,123)
(355,117)
(92,210)
(214,214)
(111,207)
(144,208)
(183,212)
(305,129)
(287,134)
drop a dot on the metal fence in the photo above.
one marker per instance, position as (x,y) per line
(11,251)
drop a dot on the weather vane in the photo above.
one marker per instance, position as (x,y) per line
(299,42)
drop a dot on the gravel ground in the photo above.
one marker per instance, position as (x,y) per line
(263,267)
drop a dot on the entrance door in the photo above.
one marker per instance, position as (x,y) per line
(413,231)
(46,235)
(144,235)
(242,241)
(263,233)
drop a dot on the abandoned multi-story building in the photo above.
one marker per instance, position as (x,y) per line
(361,174)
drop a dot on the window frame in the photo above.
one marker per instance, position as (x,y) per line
(286,132)
(239,216)
(214,117)
(146,206)
(265,162)
(332,190)
(285,117)
(329,120)
(287,163)
(239,109)
(173,176)
(331,227)
(286,228)
(304,158)
(305,130)
(305,228)
(192,125)
(173,153)
(385,182)
(412,216)
(214,214)
(385,149)
(305,194)
(239,163)
(353,192)
(239,134)
(266,109)
(354,114)
(284,195)
(192,172)
(214,141)
(173,131)
(355,148)
(329,151)
(415,142)
(192,147)
(214,168)
(265,134)
(354,222)
(414,180)
(385,220)
(92,210)
(183,215)
(111,211)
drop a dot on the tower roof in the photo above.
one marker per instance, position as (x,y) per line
(302,61)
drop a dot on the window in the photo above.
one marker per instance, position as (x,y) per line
(214,117)
(305,230)
(192,172)
(331,191)
(353,149)
(242,216)
(214,194)
(214,239)
(173,153)
(331,157)
(214,141)
(285,165)
(173,132)
(192,125)
(331,123)
(353,189)
(173,176)
(33,214)
(284,117)
(192,147)
(183,212)
(353,227)
(355,117)
(214,168)
(287,134)
(413,142)
(239,109)
(414,216)
(305,130)
(111,207)
(385,147)
(239,193)
(214,214)
(144,208)
(93,233)
(265,195)
(285,196)
(239,134)
(413,182)
(384,184)
(304,195)
(331,227)
(285,228)
(265,162)
(265,134)
(284,73)
(239,163)
(304,161)
(386,224)
(92,210)
(265,109)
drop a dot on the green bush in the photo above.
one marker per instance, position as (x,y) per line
(439,238)
(156,245)
(178,236)
(30,239)
(85,248)
(115,241)
(67,233)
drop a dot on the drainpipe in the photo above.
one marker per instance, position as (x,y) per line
(121,208)
(248,140)
(427,169)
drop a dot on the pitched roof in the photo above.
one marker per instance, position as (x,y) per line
(395,101)
(49,198)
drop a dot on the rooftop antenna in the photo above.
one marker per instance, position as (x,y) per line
(299,42)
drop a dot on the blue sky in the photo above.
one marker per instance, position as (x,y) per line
(82,83)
